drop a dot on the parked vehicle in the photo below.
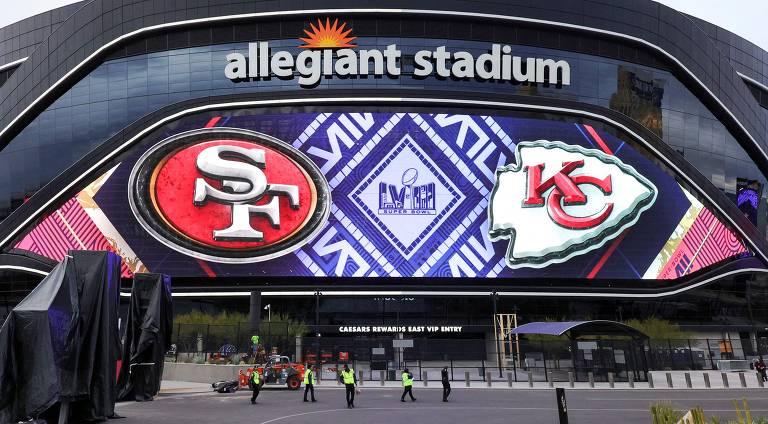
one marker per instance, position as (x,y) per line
(279,370)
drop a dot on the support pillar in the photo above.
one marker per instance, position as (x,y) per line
(254,315)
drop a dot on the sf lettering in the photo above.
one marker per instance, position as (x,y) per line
(243,183)
(566,192)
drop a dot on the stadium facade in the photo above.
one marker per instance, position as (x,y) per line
(423,165)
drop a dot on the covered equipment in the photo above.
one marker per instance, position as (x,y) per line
(148,331)
(60,345)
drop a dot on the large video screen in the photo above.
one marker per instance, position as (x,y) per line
(254,193)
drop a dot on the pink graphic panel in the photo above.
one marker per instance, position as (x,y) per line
(68,228)
(706,242)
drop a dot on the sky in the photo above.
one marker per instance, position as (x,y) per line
(746,18)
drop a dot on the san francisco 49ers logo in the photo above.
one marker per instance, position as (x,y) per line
(559,201)
(228,195)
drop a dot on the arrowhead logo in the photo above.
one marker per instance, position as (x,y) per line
(559,201)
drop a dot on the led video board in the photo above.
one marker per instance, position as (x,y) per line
(249,193)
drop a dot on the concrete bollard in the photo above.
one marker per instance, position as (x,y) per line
(466,378)
(760,381)
(570,379)
(707,384)
(725,380)
(425,378)
(382,377)
(338,377)
(488,379)
(688,382)
(669,380)
(530,379)
(360,379)
(611,380)
(631,378)
(509,379)
(591,379)
(742,380)
(551,380)
(650,380)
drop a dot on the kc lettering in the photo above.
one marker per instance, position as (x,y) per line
(566,191)
(243,183)
(559,201)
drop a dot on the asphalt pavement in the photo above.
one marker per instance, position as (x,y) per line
(382,405)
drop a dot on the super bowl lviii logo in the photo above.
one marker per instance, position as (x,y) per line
(559,201)
(228,195)
(408,199)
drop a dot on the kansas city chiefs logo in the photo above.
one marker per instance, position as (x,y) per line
(559,201)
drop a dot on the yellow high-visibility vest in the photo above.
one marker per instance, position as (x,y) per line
(309,377)
(407,380)
(348,376)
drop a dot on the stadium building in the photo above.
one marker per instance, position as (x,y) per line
(398,169)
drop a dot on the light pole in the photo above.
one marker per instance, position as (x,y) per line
(269,314)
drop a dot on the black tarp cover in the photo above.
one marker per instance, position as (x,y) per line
(148,331)
(62,342)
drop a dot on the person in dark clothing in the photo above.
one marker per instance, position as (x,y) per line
(255,383)
(446,383)
(309,383)
(349,379)
(760,367)
(407,385)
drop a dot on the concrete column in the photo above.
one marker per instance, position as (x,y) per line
(631,378)
(254,314)
(688,382)
(361,378)
(425,378)
(742,379)
(509,379)
(591,379)
(611,380)
(488,379)
(382,377)
(707,384)
(551,380)
(570,379)
(669,380)
(725,380)
(650,380)
(530,379)
(466,378)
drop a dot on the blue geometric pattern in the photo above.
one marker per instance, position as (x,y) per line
(392,162)
(360,152)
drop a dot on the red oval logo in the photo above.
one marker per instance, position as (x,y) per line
(229,195)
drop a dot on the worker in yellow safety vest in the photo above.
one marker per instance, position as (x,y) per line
(350,380)
(309,382)
(255,383)
(407,385)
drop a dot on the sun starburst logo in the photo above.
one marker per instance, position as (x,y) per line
(327,36)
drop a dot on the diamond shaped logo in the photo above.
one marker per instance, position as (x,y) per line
(406,197)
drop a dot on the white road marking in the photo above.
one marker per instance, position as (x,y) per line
(484,408)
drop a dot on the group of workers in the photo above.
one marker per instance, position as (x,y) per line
(349,379)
